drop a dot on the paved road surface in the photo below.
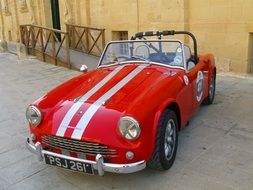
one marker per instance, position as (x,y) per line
(215,151)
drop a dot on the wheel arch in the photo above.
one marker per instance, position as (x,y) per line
(168,104)
(175,107)
(212,65)
(212,71)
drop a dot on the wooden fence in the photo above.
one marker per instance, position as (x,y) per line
(86,39)
(54,46)
(47,43)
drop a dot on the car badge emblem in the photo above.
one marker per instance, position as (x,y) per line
(172,73)
(186,80)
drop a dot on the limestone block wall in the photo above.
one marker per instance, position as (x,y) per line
(16,12)
(125,15)
(222,27)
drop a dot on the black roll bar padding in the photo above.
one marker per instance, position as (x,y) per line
(152,33)
(138,35)
(167,33)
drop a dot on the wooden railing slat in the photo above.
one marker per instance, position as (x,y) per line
(86,39)
(59,48)
(95,42)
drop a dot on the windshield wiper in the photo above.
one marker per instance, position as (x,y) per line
(110,62)
(141,58)
(124,62)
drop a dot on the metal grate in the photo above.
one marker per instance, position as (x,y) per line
(77,146)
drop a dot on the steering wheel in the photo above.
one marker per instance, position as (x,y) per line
(142,52)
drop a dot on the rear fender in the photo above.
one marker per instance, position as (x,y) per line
(212,67)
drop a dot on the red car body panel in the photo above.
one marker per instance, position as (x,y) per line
(144,97)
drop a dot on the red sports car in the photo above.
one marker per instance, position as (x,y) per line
(126,114)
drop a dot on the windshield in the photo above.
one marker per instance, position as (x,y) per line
(162,52)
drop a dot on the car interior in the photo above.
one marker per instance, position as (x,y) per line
(171,58)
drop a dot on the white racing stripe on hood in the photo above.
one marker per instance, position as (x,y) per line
(85,119)
(71,112)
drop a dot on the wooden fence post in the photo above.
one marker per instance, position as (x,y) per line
(52,36)
(42,43)
(69,33)
(103,39)
(21,34)
(67,51)
(33,39)
(87,44)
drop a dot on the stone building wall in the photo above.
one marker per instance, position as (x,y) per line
(17,12)
(222,27)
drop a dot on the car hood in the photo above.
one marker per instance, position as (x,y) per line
(99,100)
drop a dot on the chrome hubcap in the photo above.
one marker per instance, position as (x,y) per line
(169,141)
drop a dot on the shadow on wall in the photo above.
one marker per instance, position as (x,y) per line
(250,53)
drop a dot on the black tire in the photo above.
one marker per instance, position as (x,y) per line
(159,160)
(211,91)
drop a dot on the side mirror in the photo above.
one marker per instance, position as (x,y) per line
(84,68)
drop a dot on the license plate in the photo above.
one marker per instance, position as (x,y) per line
(69,164)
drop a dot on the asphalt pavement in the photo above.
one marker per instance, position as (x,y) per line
(215,151)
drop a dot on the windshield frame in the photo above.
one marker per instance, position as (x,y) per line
(148,40)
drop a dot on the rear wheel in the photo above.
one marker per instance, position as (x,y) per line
(165,148)
(211,93)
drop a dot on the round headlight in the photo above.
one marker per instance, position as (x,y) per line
(33,115)
(129,128)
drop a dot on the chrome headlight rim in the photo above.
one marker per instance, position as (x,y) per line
(134,122)
(38,113)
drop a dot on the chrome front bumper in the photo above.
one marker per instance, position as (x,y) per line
(98,165)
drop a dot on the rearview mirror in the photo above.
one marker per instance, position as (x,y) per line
(84,68)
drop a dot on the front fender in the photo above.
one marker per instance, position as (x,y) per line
(158,114)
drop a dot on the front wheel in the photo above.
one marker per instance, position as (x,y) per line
(165,148)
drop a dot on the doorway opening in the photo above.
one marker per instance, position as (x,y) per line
(250,53)
(118,36)
(56,17)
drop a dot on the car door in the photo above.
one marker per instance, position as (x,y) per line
(198,78)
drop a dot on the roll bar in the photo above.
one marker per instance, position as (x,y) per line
(141,35)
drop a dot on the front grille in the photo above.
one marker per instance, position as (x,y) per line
(77,146)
